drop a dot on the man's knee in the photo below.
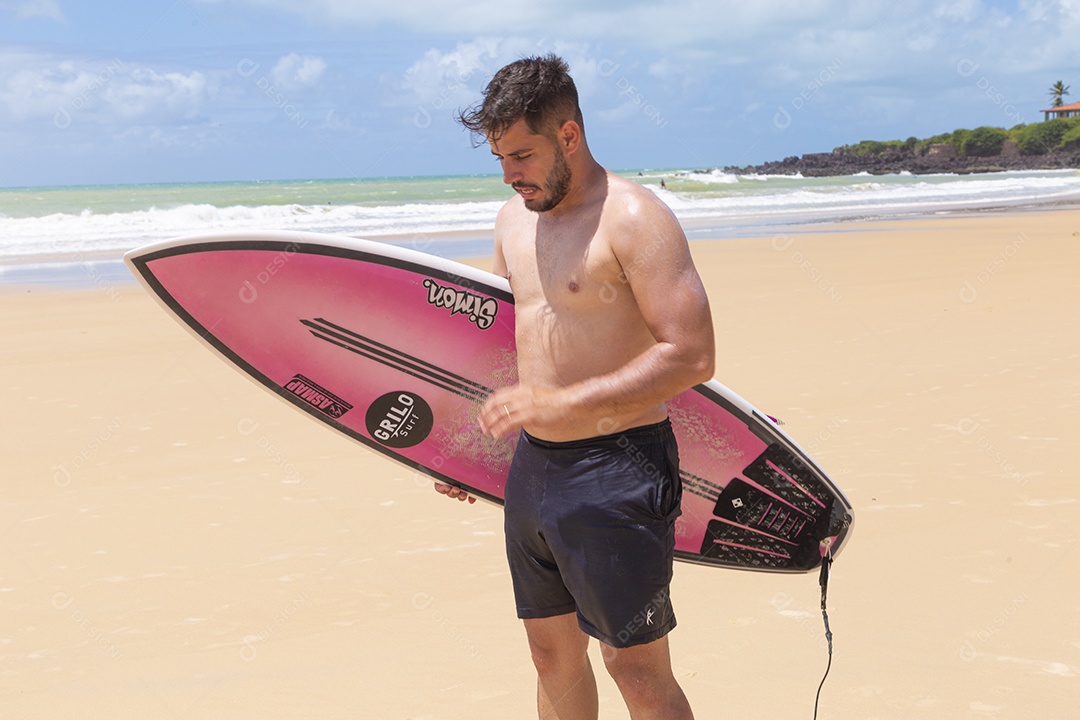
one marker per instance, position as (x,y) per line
(557,644)
(626,667)
(642,673)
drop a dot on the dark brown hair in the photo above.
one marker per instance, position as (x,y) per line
(538,89)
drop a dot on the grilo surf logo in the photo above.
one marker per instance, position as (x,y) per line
(399,419)
(318,397)
(481,310)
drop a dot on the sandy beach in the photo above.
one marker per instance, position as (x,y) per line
(177,543)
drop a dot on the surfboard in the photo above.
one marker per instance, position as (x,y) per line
(398,349)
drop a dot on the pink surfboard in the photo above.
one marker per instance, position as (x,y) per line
(398,349)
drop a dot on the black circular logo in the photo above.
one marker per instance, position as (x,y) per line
(399,419)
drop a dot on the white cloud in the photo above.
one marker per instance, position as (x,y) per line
(481,17)
(752,38)
(147,95)
(26,9)
(442,82)
(294,71)
(441,78)
(38,87)
(958,10)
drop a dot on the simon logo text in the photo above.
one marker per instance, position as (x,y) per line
(479,309)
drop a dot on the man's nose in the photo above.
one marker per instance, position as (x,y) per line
(511,173)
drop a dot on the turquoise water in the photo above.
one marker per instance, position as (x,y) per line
(105,199)
(453,215)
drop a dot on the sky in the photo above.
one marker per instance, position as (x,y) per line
(128,92)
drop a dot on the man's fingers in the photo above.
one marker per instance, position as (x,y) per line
(453,492)
(501,415)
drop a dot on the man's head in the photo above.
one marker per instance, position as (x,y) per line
(531,119)
(538,90)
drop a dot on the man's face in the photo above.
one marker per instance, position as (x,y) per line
(534,166)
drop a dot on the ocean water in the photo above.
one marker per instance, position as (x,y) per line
(68,233)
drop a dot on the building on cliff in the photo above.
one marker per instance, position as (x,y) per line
(1064,111)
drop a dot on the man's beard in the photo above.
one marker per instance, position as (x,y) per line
(556,186)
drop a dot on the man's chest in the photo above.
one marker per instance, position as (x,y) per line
(558,265)
(561,272)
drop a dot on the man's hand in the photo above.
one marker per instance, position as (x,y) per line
(453,492)
(509,409)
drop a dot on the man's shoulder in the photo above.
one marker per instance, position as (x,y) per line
(512,208)
(512,214)
(634,205)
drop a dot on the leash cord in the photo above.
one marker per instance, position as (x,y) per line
(826,561)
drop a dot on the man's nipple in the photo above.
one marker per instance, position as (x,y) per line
(572,286)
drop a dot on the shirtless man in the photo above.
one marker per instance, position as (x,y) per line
(612,321)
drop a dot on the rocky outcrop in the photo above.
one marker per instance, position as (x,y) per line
(938,159)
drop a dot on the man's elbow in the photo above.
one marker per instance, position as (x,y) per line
(701,364)
(704,368)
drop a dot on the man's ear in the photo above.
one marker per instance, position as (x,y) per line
(569,136)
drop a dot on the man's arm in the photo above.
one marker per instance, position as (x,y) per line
(660,272)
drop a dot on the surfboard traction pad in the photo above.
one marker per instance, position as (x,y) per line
(753,530)
(790,527)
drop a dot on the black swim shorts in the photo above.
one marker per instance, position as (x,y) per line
(590,528)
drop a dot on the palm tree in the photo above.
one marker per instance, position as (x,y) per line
(1058,91)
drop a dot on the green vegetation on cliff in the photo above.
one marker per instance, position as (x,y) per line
(1034,139)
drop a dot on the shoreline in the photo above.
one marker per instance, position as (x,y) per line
(106,269)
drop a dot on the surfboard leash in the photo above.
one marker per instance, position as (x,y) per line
(823,580)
